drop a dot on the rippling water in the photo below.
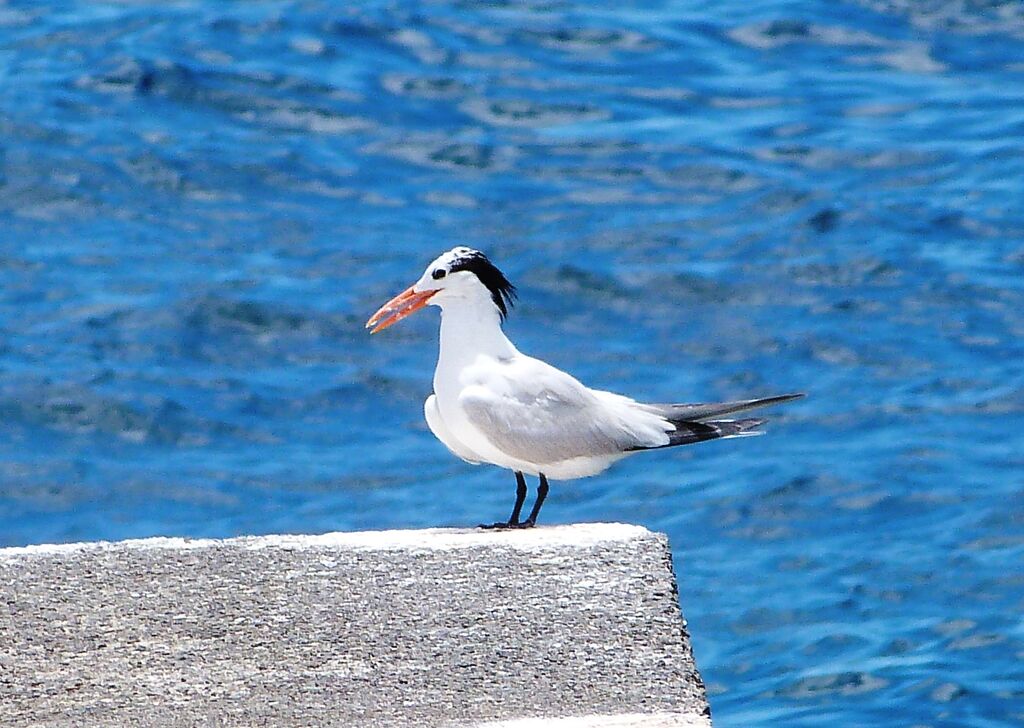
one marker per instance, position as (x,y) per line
(201,202)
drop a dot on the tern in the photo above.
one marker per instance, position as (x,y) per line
(493,404)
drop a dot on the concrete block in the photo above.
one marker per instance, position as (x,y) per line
(396,628)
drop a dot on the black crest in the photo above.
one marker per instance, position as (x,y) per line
(503,293)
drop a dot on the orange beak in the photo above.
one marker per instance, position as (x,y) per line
(405,303)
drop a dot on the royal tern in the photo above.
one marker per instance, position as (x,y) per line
(493,404)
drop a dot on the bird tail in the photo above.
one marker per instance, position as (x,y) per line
(693,422)
(702,412)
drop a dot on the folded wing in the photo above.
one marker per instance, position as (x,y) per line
(533,412)
(536,413)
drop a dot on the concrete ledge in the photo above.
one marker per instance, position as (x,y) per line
(403,628)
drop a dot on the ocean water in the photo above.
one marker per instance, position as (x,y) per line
(202,202)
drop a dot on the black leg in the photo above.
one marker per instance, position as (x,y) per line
(542,493)
(513,521)
(520,499)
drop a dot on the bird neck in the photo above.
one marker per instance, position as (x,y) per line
(470,329)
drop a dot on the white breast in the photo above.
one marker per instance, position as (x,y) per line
(443,433)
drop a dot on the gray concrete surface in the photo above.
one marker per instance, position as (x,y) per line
(395,628)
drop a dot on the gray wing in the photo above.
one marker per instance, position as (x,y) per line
(542,415)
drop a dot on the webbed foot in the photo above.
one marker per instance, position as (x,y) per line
(506,525)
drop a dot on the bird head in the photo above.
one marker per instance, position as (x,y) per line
(461,274)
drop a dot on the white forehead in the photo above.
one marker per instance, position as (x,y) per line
(445,260)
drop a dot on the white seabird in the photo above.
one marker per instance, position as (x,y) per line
(494,404)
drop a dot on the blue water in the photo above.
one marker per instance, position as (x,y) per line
(201,203)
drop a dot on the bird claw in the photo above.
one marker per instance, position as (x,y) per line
(506,525)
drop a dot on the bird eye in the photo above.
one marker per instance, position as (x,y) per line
(438,274)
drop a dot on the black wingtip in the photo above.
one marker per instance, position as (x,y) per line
(690,433)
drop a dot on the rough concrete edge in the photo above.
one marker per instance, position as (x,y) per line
(544,537)
(684,626)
